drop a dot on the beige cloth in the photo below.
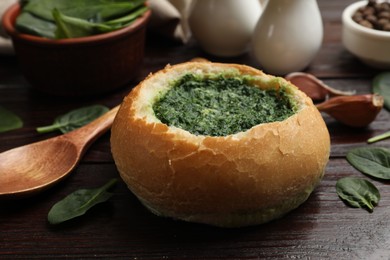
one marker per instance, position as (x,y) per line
(170,18)
(5,43)
(4,4)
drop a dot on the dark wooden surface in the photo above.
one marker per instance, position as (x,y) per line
(322,228)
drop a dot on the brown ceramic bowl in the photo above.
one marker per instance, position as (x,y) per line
(80,66)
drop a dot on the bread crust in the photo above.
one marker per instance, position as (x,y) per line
(238,180)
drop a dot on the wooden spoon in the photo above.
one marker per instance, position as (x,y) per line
(313,87)
(32,168)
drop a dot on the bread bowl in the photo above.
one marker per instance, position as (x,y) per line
(240,179)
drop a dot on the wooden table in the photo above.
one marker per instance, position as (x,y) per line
(322,228)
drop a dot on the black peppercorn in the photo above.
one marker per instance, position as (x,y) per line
(374,15)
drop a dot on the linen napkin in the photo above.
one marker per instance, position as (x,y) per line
(170,18)
(5,42)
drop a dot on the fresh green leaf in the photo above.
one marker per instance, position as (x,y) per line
(33,25)
(126,20)
(373,161)
(71,27)
(358,193)
(381,86)
(89,10)
(9,120)
(78,203)
(77,18)
(74,119)
(379,137)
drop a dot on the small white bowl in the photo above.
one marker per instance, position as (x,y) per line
(369,45)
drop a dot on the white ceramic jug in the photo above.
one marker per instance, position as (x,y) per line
(224,27)
(287,36)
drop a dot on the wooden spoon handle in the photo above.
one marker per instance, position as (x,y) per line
(85,135)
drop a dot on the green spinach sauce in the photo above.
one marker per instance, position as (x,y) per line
(220,105)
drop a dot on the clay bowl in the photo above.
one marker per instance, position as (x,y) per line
(80,66)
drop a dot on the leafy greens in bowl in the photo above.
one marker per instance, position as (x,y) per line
(80,66)
(59,19)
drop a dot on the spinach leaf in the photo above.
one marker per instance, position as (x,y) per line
(78,203)
(71,27)
(77,18)
(9,120)
(128,19)
(358,193)
(373,161)
(90,10)
(30,24)
(381,86)
(74,119)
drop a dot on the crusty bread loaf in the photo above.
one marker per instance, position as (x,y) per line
(242,179)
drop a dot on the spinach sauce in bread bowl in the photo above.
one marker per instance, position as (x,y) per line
(220,144)
(221,105)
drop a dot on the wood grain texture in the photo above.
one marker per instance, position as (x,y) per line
(322,228)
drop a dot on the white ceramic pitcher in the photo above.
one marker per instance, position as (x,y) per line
(287,36)
(224,27)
